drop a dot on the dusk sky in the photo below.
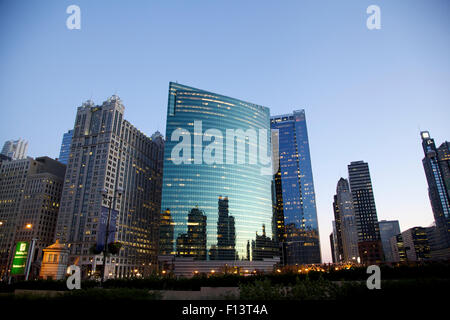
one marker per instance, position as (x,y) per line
(367,93)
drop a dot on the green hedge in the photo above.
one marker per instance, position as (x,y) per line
(425,271)
(321,289)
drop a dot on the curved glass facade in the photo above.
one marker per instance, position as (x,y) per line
(221,209)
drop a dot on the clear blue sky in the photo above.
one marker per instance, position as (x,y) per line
(366,93)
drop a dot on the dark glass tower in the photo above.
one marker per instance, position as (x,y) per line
(388,229)
(64,152)
(436,164)
(295,199)
(369,241)
(333,255)
(338,246)
(220,204)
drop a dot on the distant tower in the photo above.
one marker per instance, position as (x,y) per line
(369,241)
(333,255)
(64,152)
(347,236)
(337,232)
(15,149)
(388,229)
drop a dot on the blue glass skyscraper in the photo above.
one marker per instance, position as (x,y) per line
(296,215)
(64,152)
(214,210)
(436,164)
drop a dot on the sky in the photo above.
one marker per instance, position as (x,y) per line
(367,93)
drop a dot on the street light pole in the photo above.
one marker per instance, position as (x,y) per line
(105,248)
(30,258)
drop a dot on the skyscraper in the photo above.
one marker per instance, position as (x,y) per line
(397,249)
(295,199)
(346,231)
(333,255)
(111,165)
(334,244)
(232,194)
(4,158)
(64,152)
(30,192)
(337,232)
(369,241)
(436,164)
(388,229)
(415,241)
(15,149)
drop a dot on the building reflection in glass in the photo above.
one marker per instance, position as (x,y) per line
(263,247)
(193,243)
(166,233)
(226,234)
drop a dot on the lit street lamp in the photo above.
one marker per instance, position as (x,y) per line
(29,226)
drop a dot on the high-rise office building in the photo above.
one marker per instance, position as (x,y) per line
(333,255)
(229,195)
(337,231)
(64,152)
(436,164)
(415,242)
(345,222)
(4,158)
(113,170)
(438,249)
(388,229)
(397,248)
(15,149)
(335,244)
(295,199)
(30,192)
(369,241)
